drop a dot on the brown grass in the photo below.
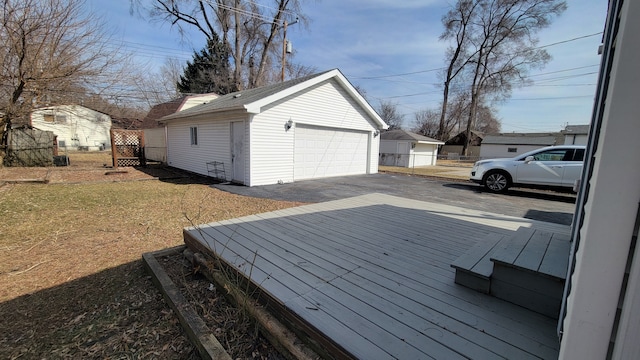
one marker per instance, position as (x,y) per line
(71,282)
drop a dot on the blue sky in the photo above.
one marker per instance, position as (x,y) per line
(374,42)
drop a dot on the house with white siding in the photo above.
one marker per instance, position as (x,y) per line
(76,127)
(312,127)
(406,149)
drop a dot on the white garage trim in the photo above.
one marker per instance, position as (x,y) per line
(325,152)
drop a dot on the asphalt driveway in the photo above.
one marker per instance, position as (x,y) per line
(539,205)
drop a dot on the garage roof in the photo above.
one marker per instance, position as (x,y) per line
(407,135)
(252,100)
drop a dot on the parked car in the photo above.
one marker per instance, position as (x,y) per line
(549,167)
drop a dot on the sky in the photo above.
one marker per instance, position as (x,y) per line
(391,49)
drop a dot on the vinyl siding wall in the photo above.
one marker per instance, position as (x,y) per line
(75,126)
(424,154)
(490,151)
(214,136)
(155,144)
(327,105)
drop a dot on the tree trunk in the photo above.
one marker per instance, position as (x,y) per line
(470,121)
(443,112)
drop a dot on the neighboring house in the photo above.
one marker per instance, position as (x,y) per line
(576,134)
(155,137)
(603,304)
(407,149)
(170,107)
(313,127)
(453,147)
(76,127)
(514,144)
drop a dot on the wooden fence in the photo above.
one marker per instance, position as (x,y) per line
(30,147)
(127,147)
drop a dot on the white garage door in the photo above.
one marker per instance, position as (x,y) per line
(323,152)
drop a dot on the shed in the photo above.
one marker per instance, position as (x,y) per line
(407,149)
(312,127)
(514,144)
(576,134)
(76,127)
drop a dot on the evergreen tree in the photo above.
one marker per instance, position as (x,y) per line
(208,72)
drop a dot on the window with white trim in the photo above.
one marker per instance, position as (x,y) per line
(194,135)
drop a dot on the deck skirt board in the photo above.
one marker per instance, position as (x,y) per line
(373,274)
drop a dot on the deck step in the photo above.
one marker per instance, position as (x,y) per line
(474,267)
(530,270)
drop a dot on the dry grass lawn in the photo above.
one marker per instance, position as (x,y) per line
(71,279)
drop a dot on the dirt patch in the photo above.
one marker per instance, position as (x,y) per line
(72,284)
(232,326)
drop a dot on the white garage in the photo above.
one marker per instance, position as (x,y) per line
(324,152)
(406,149)
(313,127)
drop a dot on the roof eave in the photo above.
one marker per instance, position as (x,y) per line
(183,115)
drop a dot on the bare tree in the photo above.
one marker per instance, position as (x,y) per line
(427,123)
(486,121)
(252,32)
(388,111)
(500,46)
(53,51)
(457,27)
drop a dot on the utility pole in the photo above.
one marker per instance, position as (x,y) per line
(284,51)
(284,48)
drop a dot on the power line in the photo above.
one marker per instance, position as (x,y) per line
(442,68)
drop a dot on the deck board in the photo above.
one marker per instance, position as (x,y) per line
(372,273)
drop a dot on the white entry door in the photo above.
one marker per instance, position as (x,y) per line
(237,151)
(323,152)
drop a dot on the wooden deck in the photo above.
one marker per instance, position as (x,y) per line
(372,273)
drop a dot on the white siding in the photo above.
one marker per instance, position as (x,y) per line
(491,151)
(326,105)
(213,143)
(155,144)
(81,127)
(388,146)
(576,139)
(424,155)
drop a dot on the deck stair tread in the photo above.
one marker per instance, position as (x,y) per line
(537,251)
(530,270)
(474,267)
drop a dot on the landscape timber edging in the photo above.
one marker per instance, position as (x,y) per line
(197,331)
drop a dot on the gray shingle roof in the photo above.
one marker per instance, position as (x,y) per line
(239,99)
(406,135)
(576,129)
